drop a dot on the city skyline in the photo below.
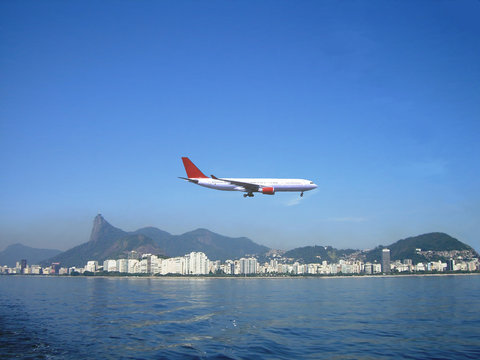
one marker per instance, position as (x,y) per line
(197,263)
(377,103)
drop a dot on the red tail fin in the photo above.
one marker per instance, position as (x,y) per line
(191,169)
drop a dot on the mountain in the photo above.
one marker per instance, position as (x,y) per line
(434,246)
(215,246)
(153,233)
(109,242)
(106,242)
(317,254)
(431,245)
(17,252)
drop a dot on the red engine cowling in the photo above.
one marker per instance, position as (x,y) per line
(268,190)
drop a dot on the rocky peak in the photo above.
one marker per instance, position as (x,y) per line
(101,228)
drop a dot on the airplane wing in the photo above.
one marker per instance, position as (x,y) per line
(247,186)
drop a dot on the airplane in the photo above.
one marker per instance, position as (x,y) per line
(248,186)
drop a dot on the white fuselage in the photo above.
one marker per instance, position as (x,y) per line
(249,186)
(277,184)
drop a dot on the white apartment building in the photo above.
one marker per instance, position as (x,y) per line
(228,268)
(196,263)
(110,265)
(132,266)
(122,265)
(173,266)
(91,266)
(248,266)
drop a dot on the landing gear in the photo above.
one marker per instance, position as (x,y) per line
(248,194)
(301,194)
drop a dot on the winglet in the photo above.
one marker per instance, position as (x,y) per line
(191,169)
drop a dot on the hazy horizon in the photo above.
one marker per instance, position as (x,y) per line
(276,248)
(378,103)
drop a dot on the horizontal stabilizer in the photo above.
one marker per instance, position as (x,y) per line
(195,181)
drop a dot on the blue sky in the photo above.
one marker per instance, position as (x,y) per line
(377,102)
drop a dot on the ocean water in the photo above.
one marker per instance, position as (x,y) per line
(429,317)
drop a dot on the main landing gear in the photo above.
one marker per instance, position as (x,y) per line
(248,194)
(301,195)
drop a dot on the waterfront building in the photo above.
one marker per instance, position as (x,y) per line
(36,269)
(236,269)
(450,265)
(472,265)
(312,268)
(91,266)
(368,269)
(73,269)
(437,266)
(420,267)
(197,263)
(23,266)
(173,266)
(155,264)
(215,266)
(248,266)
(145,265)
(274,263)
(110,265)
(55,268)
(386,261)
(122,265)
(132,266)
(229,267)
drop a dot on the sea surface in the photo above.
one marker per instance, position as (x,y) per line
(412,317)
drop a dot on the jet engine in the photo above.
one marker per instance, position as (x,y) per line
(269,190)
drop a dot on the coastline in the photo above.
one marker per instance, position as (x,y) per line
(206,277)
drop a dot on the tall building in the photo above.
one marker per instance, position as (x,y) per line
(132,266)
(146,264)
(368,268)
(248,266)
(386,261)
(450,265)
(110,265)
(197,263)
(122,265)
(54,268)
(23,265)
(91,266)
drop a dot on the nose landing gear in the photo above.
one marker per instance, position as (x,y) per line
(301,194)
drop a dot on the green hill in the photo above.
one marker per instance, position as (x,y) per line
(433,246)
(432,242)
(317,254)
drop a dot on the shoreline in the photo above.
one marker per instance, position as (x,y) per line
(206,277)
